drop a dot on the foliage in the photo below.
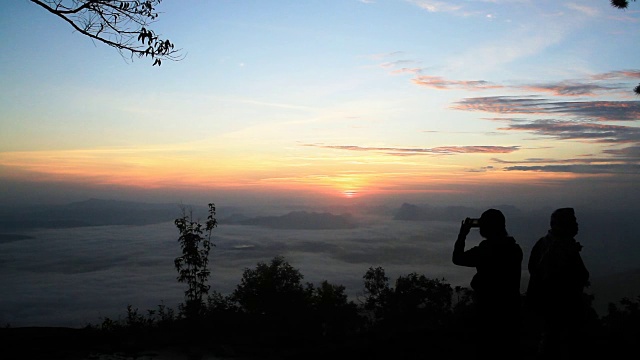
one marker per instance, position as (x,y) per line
(623,4)
(376,290)
(415,301)
(273,312)
(415,292)
(121,24)
(192,266)
(620,4)
(624,319)
(134,321)
(273,288)
(335,313)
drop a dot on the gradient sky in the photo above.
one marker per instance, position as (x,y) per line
(337,99)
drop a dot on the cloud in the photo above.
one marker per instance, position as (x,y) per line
(570,89)
(581,169)
(621,161)
(631,152)
(620,74)
(547,161)
(584,87)
(441,150)
(591,110)
(435,6)
(407,70)
(438,82)
(567,130)
(385,55)
(587,10)
(391,64)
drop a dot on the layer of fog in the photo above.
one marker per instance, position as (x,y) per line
(71,277)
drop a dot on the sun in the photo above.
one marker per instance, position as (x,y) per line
(350,193)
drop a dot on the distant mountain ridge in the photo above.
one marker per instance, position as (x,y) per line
(101,212)
(426,212)
(92,212)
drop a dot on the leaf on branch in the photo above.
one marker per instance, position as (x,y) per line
(620,4)
(114,23)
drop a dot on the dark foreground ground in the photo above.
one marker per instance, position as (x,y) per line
(84,344)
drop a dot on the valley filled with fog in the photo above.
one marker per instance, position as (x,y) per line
(72,275)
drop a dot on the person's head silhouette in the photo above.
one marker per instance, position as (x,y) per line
(564,223)
(492,224)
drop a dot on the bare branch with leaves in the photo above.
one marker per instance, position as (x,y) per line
(124,25)
(623,4)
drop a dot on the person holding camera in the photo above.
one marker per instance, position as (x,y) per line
(496,284)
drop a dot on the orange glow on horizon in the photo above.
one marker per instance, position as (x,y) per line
(153,169)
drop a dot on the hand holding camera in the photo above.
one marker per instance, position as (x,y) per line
(466,226)
(473,222)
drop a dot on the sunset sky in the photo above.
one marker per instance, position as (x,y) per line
(516,100)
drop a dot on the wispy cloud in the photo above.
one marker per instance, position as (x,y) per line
(615,161)
(405,70)
(392,64)
(571,88)
(585,160)
(435,6)
(584,9)
(440,150)
(567,130)
(631,152)
(620,74)
(588,110)
(581,169)
(564,88)
(438,82)
(385,55)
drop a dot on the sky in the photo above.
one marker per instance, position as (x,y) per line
(522,102)
(300,104)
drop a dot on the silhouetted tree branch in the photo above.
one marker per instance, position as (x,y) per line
(623,4)
(121,24)
(620,4)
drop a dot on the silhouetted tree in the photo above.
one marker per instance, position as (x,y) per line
(623,322)
(420,298)
(377,291)
(274,288)
(335,313)
(121,24)
(192,266)
(623,4)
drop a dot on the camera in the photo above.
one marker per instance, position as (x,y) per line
(474,222)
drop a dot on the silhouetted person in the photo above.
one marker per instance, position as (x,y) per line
(557,280)
(496,284)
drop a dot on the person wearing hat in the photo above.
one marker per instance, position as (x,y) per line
(496,284)
(557,281)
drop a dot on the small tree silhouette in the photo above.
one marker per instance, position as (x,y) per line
(275,288)
(192,266)
(377,291)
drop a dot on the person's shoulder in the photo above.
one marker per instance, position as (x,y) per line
(543,241)
(516,248)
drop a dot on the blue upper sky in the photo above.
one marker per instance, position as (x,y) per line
(341,98)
